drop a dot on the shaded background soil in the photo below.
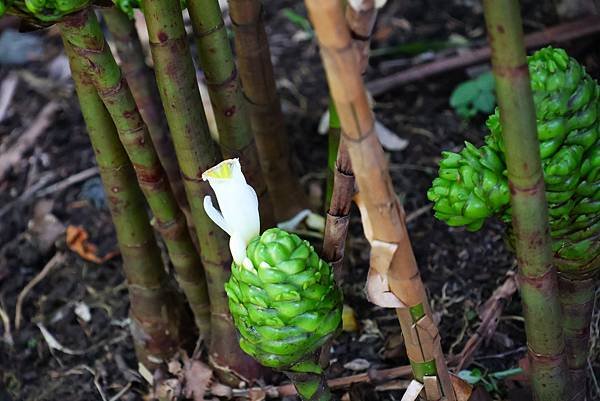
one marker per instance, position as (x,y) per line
(460,269)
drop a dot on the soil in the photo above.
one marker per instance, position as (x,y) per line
(461,269)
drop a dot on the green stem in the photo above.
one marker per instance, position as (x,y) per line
(266,117)
(310,381)
(333,143)
(155,317)
(577,298)
(83,33)
(233,121)
(196,152)
(142,83)
(538,279)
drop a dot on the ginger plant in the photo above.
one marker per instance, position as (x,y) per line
(282,296)
(473,186)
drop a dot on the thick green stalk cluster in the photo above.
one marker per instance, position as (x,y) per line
(46,11)
(472,184)
(286,305)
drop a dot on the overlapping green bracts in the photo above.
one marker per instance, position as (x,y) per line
(45,11)
(286,305)
(472,184)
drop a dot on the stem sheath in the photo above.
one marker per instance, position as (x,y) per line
(382,211)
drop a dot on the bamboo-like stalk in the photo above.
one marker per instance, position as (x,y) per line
(233,121)
(382,212)
(83,34)
(142,83)
(361,20)
(577,299)
(537,273)
(258,82)
(154,314)
(338,214)
(196,152)
(361,25)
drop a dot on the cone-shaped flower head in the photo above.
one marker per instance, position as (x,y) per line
(45,12)
(282,296)
(472,184)
(238,203)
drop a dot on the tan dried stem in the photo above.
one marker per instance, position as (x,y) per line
(394,278)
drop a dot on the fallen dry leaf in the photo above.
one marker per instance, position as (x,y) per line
(197,379)
(77,241)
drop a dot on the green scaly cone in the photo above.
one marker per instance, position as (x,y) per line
(472,186)
(286,305)
(44,12)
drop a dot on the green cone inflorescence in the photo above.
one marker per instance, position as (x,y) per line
(45,11)
(283,299)
(472,184)
(285,304)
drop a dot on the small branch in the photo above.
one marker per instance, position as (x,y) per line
(67,182)
(56,259)
(489,313)
(26,141)
(286,390)
(6,336)
(7,91)
(556,34)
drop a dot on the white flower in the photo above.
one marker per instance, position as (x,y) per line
(238,203)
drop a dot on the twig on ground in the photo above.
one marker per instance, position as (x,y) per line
(53,343)
(489,313)
(39,190)
(372,376)
(6,336)
(55,261)
(15,153)
(67,182)
(29,192)
(121,393)
(503,354)
(7,91)
(555,34)
(417,213)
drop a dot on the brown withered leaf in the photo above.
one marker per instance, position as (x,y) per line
(198,377)
(77,241)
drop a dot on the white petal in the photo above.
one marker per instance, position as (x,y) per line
(238,249)
(215,215)
(388,139)
(324,123)
(238,203)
